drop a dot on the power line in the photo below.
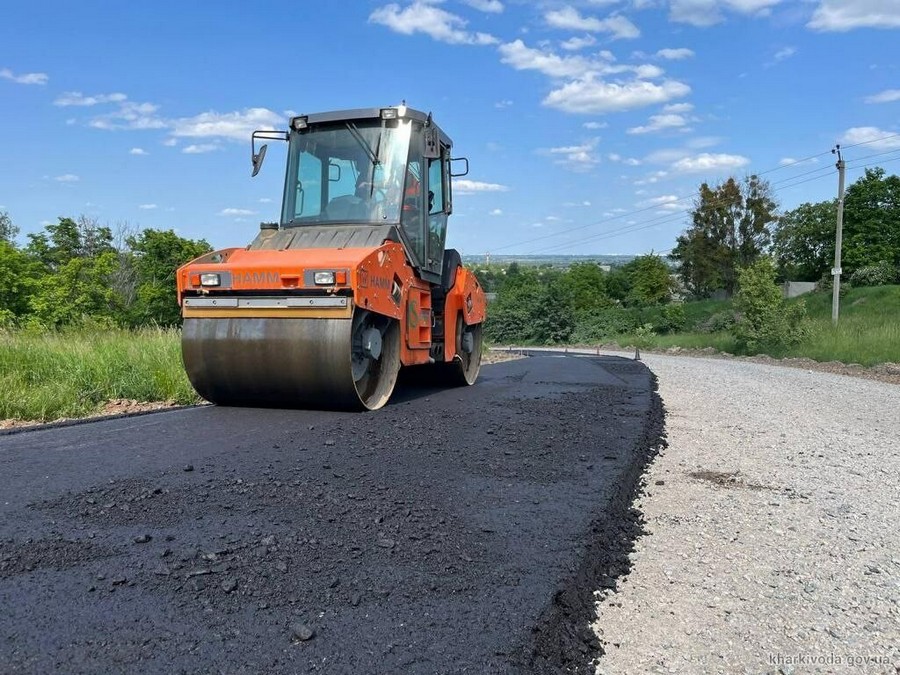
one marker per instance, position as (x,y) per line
(872,140)
(825,170)
(670,218)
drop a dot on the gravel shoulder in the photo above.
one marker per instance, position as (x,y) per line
(771,541)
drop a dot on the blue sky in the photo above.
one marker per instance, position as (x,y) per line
(588,125)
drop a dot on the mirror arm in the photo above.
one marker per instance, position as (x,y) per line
(256,158)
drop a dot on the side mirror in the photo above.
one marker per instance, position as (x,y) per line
(257,160)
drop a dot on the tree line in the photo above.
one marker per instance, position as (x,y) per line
(737,240)
(77,269)
(736,223)
(581,303)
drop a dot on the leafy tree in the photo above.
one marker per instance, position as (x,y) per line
(532,306)
(729,230)
(872,221)
(766,320)
(803,242)
(8,231)
(618,284)
(157,256)
(585,286)
(69,239)
(17,281)
(651,283)
(79,289)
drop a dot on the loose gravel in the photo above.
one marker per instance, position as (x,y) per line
(772,542)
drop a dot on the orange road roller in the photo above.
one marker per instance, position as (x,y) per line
(323,308)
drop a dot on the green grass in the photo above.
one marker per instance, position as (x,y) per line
(72,373)
(868,330)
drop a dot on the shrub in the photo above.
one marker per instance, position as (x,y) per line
(604,324)
(720,321)
(766,320)
(881,274)
(673,319)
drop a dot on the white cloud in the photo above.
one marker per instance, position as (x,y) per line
(576,157)
(845,15)
(234,125)
(503,104)
(170,142)
(576,43)
(665,156)
(590,95)
(424,17)
(236,212)
(704,13)
(522,57)
(660,123)
(595,125)
(24,78)
(137,151)
(627,161)
(496,212)
(667,202)
(129,115)
(568,18)
(147,207)
(873,137)
(654,177)
(678,108)
(67,178)
(789,161)
(886,96)
(265,200)
(593,84)
(784,53)
(675,54)
(76,98)
(200,148)
(464,186)
(701,142)
(489,6)
(706,162)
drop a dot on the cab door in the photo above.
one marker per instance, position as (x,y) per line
(437,193)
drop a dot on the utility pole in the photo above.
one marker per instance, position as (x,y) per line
(836,270)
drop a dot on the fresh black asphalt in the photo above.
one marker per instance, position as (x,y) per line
(453,531)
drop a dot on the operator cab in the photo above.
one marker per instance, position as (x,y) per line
(377,166)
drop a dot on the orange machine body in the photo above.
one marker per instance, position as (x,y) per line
(378,279)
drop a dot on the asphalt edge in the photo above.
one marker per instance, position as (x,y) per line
(57,424)
(564,640)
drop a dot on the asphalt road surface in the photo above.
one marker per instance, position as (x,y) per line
(459,530)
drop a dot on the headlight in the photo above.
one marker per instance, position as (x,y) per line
(324,278)
(209,279)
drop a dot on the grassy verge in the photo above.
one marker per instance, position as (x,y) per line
(867,333)
(72,373)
